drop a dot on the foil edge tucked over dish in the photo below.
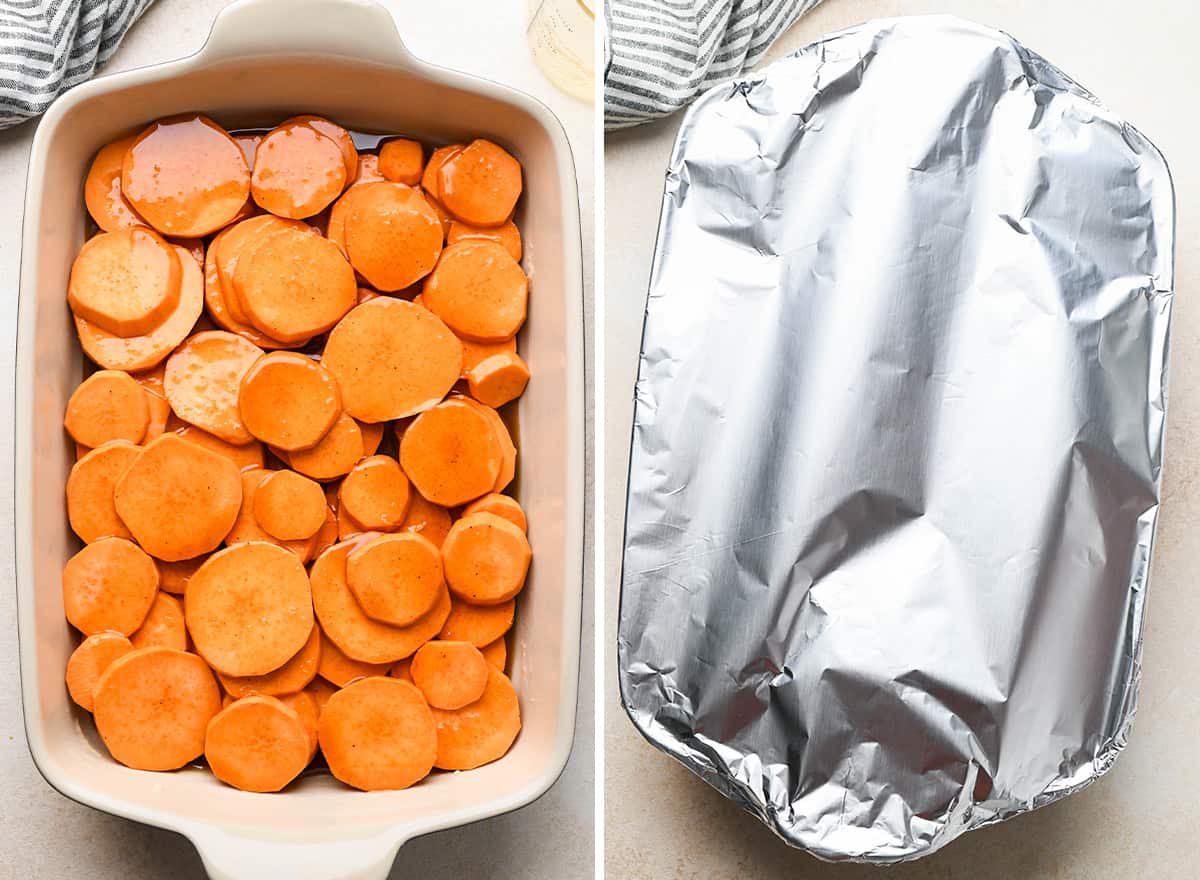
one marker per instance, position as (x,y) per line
(726,140)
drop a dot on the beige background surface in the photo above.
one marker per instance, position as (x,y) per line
(1140,821)
(43,836)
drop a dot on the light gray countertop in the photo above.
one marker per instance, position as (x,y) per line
(1138,821)
(43,836)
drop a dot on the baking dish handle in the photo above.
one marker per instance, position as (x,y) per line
(228,857)
(358,29)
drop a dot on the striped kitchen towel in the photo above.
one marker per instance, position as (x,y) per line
(661,54)
(47,46)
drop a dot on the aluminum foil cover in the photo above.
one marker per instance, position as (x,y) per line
(898,432)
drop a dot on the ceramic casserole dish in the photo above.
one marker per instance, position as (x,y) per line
(267,60)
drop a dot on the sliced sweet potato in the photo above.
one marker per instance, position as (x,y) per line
(289,506)
(508,450)
(486,559)
(378,734)
(295,284)
(238,241)
(177,499)
(125,283)
(90,505)
(246,527)
(502,506)
(292,676)
(163,626)
(305,705)
(451,453)
(174,576)
(496,654)
(427,519)
(479,290)
(431,175)
(397,579)
(449,674)
(186,176)
(478,624)
(372,434)
(335,133)
(334,456)
(243,456)
(257,744)
(218,300)
(402,160)
(135,353)
(338,669)
(109,585)
(347,626)
(321,690)
(102,189)
(108,405)
(392,359)
(481,184)
(203,379)
(249,609)
(482,731)
(498,379)
(88,662)
(376,493)
(368,169)
(297,171)
(289,400)
(506,234)
(392,235)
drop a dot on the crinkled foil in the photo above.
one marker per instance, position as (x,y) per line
(898,432)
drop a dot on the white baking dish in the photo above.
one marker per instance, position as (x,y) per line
(266,60)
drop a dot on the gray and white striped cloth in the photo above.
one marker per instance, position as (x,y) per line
(661,54)
(47,46)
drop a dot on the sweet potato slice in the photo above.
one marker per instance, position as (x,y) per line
(88,662)
(326,536)
(249,609)
(102,189)
(158,409)
(498,379)
(372,434)
(164,625)
(496,654)
(451,453)
(397,579)
(449,674)
(479,290)
(238,241)
(90,506)
(347,625)
(295,284)
(108,405)
(368,169)
(392,359)
(152,707)
(335,133)
(297,171)
(478,624)
(109,585)
(289,506)
(427,519)
(402,160)
(334,456)
(481,184)
(431,175)
(246,527)
(376,493)
(125,283)
(218,300)
(336,668)
(203,379)
(486,559)
(243,456)
(177,499)
(249,145)
(393,237)
(321,690)
(378,734)
(508,450)
(482,731)
(174,576)
(305,706)
(256,744)
(502,506)
(136,353)
(506,235)
(292,676)
(186,176)
(289,400)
